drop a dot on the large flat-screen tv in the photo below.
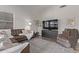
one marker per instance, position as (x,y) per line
(50,24)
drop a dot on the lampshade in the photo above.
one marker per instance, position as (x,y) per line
(71,23)
(27,28)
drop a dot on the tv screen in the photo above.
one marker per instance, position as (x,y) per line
(45,24)
(50,24)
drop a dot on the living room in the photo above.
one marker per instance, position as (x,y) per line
(31,18)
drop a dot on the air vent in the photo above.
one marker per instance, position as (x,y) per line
(62,6)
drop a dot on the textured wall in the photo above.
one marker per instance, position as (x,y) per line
(6,20)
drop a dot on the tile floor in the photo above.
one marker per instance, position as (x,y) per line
(40,45)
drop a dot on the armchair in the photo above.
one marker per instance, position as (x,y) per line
(71,35)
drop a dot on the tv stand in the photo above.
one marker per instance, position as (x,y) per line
(50,29)
(52,34)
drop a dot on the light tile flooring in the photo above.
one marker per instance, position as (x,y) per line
(40,45)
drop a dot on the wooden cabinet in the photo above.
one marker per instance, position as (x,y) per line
(50,34)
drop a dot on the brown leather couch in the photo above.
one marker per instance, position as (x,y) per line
(16,37)
(71,35)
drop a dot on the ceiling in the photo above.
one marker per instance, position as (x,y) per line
(35,10)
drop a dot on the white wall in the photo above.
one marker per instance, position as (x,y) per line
(63,14)
(19,16)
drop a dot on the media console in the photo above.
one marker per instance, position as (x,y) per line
(50,34)
(50,29)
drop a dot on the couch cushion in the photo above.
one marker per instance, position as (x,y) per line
(63,42)
(19,38)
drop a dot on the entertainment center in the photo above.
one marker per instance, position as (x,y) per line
(50,29)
